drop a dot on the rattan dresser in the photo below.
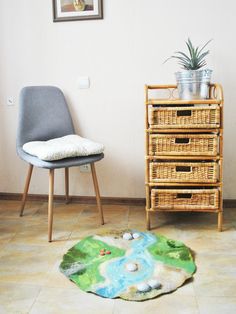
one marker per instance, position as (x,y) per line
(184,152)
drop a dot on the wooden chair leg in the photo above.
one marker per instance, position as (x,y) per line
(27,183)
(96,188)
(50,204)
(67,185)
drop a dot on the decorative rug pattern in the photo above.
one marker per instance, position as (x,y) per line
(129,264)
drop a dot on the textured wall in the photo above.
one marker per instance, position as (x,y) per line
(120,54)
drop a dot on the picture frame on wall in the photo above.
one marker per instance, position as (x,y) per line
(73,10)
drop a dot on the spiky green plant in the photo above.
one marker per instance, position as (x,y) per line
(195,60)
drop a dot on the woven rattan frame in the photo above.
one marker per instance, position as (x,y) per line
(185,172)
(185,199)
(179,132)
(196,116)
(183,144)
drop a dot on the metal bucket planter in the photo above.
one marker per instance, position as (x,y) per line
(193,84)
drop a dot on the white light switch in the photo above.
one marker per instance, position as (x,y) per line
(83,82)
(10,101)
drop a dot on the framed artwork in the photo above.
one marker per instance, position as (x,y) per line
(72,10)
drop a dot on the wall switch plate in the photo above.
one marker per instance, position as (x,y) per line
(85,168)
(83,82)
(10,101)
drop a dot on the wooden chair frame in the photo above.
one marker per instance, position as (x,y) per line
(51,194)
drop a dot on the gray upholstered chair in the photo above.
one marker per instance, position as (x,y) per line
(44,115)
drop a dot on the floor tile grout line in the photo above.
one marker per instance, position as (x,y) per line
(35,299)
(77,222)
(113,307)
(195,297)
(25,283)
(6,243)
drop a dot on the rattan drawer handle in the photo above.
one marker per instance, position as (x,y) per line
(182,140)
(184,113)
(184,195)
(183,169)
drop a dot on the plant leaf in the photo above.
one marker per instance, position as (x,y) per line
(205,45)
(184,55)
(195,60)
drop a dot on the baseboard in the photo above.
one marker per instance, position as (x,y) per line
(228,203)
(76,199)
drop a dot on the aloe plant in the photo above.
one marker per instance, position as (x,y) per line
(195,60)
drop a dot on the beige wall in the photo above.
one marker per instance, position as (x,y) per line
(120,54)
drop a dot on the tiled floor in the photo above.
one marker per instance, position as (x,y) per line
(30,281)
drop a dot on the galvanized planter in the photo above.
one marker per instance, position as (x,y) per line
(193,84)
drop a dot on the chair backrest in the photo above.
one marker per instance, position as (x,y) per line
(43,115)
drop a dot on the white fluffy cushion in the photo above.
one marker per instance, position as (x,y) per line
(63,147)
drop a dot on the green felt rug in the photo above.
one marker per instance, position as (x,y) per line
(129,264)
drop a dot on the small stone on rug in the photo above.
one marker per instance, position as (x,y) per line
(143,287)
(136,235)
(131,266)
(127,236)
(154,283)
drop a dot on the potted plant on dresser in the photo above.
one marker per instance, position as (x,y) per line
(193,82)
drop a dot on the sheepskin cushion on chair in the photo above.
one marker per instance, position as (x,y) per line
(63,147)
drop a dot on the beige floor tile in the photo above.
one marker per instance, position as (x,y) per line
(137,226)
(11,225)
(17,298)
(215,284)
(39,236)
(28,260)
(34,230)
(55,279)
(186,290)
(6,237)
(90,227)
(190,220)
(137,220)
(164,218)
(60,301)
(166,231)
(218,263)
(116,216)
(62,209)
(209,241)
(202,221)
(166,304)
(219,305)
(12,208)
(28,263)
(115,207)
(87,229)
(140,208)
(77,235)
(92,220)
(135,214)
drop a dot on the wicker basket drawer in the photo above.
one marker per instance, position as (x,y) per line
(183,172)
(185,199)
(183,144)
(203,116)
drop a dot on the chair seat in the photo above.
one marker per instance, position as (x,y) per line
(63,163)
(68,146)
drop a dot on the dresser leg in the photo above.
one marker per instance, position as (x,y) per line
(220,221)
(148,220)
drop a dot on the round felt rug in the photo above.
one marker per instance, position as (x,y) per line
(129,264)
